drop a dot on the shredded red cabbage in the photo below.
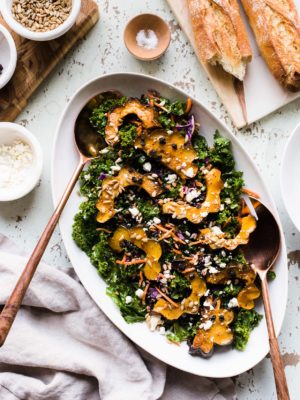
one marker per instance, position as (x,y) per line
(190,127)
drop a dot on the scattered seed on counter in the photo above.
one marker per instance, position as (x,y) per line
(41,15)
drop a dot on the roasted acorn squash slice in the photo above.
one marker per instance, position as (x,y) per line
(236,271)
(189,305)
(247,295)
(112,186)
(214,329)
(216,239)
(171,150)
(145,113)
(139,238)
(212,203)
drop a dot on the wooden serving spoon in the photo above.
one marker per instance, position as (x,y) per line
(88,143)
(262,251)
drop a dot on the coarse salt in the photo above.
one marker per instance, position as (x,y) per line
(147,39)
(15,163)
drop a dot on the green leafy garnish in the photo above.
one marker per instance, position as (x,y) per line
(245,322)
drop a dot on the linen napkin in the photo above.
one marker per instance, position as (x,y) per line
(62,347)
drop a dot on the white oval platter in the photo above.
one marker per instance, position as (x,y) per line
(225,362)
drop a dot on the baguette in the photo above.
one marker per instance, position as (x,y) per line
(277,29)
(220,34)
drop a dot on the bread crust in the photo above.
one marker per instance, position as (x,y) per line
(220,34)
(276,26)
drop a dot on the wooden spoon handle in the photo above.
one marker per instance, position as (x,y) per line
(13,303)
(279,374)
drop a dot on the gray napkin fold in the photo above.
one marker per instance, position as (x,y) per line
(62,347)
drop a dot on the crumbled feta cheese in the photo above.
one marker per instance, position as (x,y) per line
(171,178)
(189,172)
(115,168)
(128,299)
(156,220)
(147,167)
(15,164)
(153,321)
(213,270)
(162,330)
(104,151)
(139,293)
(233,303)
(206,325)
(222,265)
(216,230)
(133,211)
(191,195)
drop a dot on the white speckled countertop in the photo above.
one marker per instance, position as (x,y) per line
(103,51)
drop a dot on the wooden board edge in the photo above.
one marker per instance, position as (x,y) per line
(92,16)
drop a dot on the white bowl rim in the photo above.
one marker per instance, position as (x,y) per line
(32,141)
(282,175)
(39,36)
(272,203)
(10,69)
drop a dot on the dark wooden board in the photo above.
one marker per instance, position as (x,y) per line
(37,59)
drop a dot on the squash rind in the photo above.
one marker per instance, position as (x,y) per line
(139,238)
(219,241)
(247,295)
(189,305)
(173,151)
(219,333)
(211,204)
(113,186)
(145,113)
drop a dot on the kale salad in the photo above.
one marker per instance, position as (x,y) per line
(164,222)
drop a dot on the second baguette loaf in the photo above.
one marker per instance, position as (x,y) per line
(220,34)
(277,29)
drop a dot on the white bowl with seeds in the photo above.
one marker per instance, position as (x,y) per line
(21,161)
(40,20)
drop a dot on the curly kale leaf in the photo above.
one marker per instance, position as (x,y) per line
(180,331)
(201,146)
(84,227)
(90,182)
(133,311)
(226,293)
(179,287)
(245,322)
(103,258)
(147,208)
(98,118)
(221,155)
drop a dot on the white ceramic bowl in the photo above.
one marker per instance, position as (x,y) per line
(9,132)
(5,9)
(289,177)
(8,56)
(225,362)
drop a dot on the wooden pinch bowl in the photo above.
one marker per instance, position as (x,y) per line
(147,22)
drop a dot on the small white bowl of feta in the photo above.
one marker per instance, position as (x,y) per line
(21,161)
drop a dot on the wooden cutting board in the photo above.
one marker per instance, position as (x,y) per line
(37,59)
(259,94)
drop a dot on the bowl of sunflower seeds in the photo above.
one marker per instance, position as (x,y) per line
(40,20)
